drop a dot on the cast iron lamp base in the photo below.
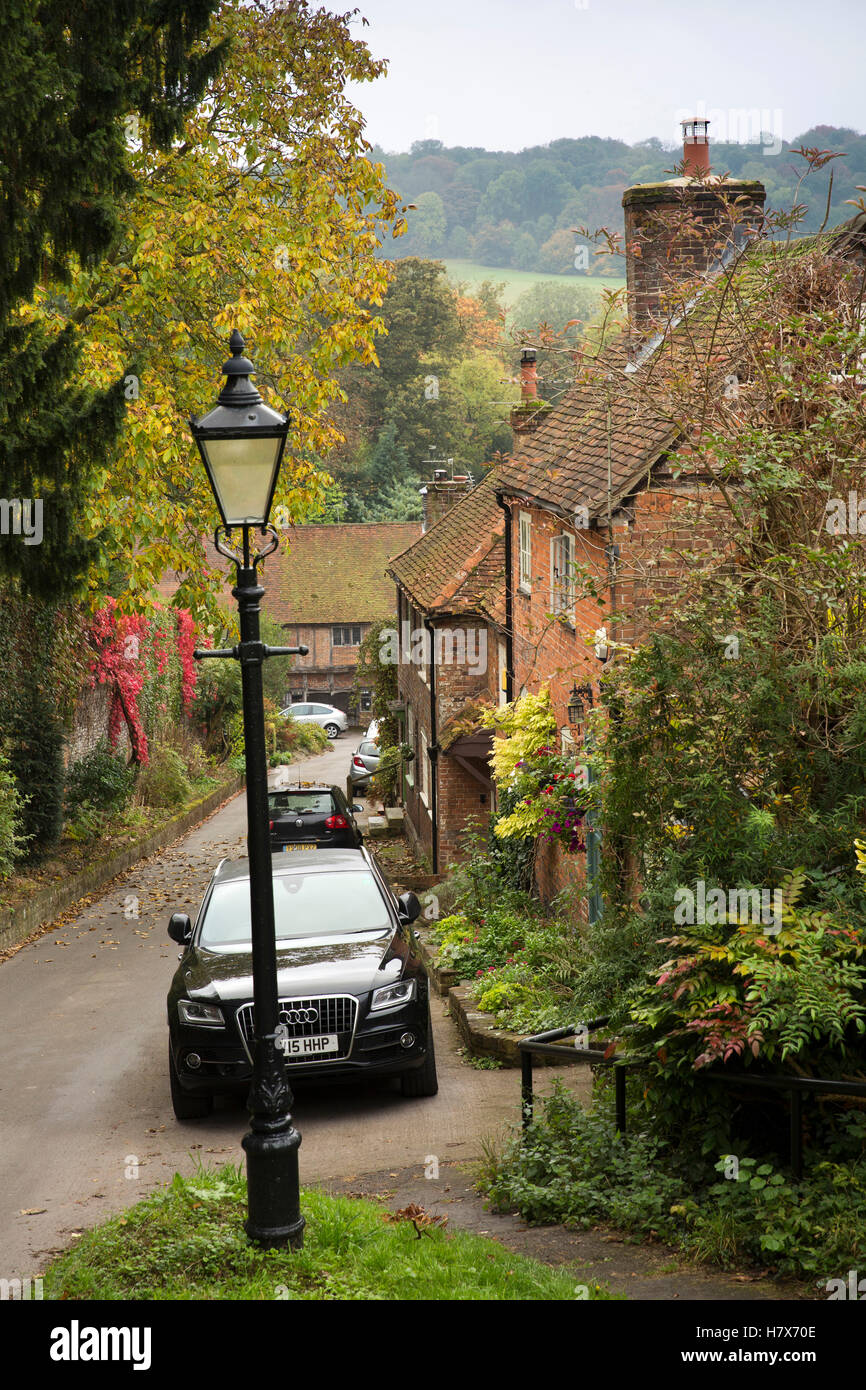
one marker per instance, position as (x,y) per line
(274,1215)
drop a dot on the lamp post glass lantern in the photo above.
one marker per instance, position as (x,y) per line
(241,443)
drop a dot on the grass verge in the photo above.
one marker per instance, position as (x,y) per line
(187,1242)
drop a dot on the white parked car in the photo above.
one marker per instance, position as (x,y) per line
(372,730)
(328,717)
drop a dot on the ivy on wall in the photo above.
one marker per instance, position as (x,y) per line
(147,664)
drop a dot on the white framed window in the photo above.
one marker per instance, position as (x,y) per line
(410,739)
(425,767)
(423,643)
(562,580)
(419,640)
(525,551)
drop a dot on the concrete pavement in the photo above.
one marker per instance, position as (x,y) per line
(87,1125)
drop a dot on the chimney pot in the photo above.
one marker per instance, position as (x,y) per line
(528,375)
(696,148)
(441,494)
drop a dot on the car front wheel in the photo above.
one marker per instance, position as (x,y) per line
(332,730)
(422,1081)
(186,1107)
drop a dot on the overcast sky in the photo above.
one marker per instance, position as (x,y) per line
(505,74)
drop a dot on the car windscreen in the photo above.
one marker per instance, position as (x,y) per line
(300,802)
(370,750)
(313,904)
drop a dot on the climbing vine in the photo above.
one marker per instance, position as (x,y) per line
(542,794)
(147,664)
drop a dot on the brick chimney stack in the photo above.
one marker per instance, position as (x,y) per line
(678,229)
(442,493)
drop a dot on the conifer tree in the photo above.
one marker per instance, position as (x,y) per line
(79,78)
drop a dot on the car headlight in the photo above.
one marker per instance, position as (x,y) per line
(392,996)
(204,1015)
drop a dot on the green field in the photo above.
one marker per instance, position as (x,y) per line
(516,281)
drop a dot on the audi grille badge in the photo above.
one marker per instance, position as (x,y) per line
(298,1015)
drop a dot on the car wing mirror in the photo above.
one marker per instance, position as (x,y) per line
(408,907)
(180,928)
(356,807)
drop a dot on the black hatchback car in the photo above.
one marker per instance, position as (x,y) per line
(353,993)
(309,816)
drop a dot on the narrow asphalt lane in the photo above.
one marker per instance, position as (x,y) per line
(87,1125)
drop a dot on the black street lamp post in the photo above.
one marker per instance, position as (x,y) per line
(241,442)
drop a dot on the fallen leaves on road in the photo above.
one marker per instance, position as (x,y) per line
(33,1211)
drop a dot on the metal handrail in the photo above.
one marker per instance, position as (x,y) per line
(797,1086)
(545,1045)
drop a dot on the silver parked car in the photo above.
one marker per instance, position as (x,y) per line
(328,717)
(364,764)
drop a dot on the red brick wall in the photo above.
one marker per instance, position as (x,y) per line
(670,519)
(415,692)
(458,793)
(556,871)
(673,234)
(680,515)
(326,670)
(461,799)
(677,515)
(547,651)
(462,803)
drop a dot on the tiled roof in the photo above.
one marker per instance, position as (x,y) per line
(603,437)
(573,455)
(458,566)
(332,573)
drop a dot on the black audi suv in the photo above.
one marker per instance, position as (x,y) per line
(353,993)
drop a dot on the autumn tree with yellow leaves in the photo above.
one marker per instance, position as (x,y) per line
(266,214)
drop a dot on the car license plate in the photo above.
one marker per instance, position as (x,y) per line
(310,1047)
(287,848)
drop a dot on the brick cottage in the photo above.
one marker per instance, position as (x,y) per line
(559,551)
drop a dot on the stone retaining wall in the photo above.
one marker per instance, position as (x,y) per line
(477,1029)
